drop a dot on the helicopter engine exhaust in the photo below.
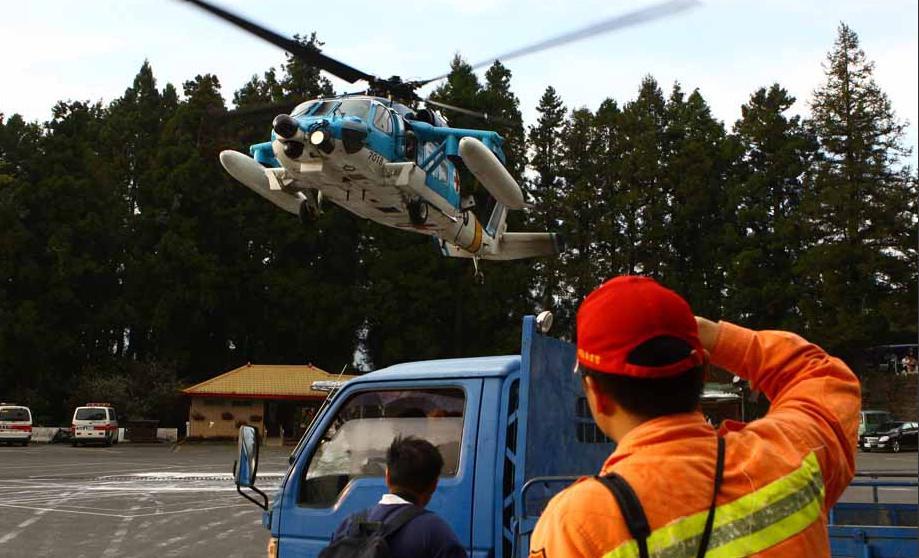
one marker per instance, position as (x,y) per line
(293,149)
(491,173)
(285,126)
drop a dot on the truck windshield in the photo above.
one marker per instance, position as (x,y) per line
(90,414)
(14,414)
(355,443)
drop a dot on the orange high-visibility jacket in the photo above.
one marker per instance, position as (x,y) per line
(782,472)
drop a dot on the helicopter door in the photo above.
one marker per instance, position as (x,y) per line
(382,137)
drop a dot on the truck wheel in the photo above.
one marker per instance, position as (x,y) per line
(417,212)
(896,446)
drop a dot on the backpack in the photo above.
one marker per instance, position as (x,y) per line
(368,539)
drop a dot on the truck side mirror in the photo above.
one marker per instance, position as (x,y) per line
(246,466)
(247,459)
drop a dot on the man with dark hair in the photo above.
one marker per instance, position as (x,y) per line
(413,467)
(674,486)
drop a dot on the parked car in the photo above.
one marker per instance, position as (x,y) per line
(869,440)
(15,424)
(900,436)
(873,421)
(94,423)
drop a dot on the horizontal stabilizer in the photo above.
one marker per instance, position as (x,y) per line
(514,246)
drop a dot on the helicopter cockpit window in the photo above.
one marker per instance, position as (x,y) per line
(303,108)
(355,107)
(382,120)
(354,445)
(324,108)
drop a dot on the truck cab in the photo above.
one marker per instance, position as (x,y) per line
(494,428)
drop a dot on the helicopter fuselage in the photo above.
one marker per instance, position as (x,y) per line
(384,162)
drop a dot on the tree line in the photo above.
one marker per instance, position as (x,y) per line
(131,264)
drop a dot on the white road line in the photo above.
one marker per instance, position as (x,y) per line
(170,512)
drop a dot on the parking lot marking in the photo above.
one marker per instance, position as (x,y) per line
(121,515)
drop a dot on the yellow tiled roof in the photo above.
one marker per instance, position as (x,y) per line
(279,381)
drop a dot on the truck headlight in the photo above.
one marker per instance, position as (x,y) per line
(883,438)
(272,547)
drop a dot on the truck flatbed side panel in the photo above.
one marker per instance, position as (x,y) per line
(561,437)
(557,434)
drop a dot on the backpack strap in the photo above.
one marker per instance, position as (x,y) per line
(359,523)
(632,512)
(710,520)
(399,519)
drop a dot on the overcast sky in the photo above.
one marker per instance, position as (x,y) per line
(91,49)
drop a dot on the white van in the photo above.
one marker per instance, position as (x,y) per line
(15,424)
(94,422)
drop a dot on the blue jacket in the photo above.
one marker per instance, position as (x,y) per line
(426,536)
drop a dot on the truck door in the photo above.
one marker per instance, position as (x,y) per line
(341,468)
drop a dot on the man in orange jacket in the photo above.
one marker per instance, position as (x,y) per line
(674,486)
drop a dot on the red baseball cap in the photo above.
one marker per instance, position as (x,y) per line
(627,311)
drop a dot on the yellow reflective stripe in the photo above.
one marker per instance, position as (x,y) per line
(628,549)
(785,528)
(753,522)
(798,479)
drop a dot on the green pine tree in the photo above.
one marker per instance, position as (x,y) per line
(644,200)
(766,233)
(546,189)
(695,168)
(861,261)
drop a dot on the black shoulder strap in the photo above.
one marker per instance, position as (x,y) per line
(632,511)
(400,518)
(356,521)
(710,521)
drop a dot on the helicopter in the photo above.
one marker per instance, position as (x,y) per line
(390,156)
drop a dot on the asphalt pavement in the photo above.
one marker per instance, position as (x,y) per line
(163,500)
(130,501)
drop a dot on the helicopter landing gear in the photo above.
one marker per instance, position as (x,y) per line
(417,212)
(479,276)
(309,211)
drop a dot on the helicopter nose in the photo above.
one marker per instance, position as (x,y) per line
(285,126)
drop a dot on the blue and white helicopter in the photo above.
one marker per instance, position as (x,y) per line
(384,157)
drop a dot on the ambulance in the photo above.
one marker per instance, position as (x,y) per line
(15,424)
(94,423)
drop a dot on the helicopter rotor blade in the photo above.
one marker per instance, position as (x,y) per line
(608,25)
(307,54)
(483,115)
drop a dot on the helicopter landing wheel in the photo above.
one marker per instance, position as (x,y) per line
(417,212)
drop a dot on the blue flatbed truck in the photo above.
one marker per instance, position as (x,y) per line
(513,430)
